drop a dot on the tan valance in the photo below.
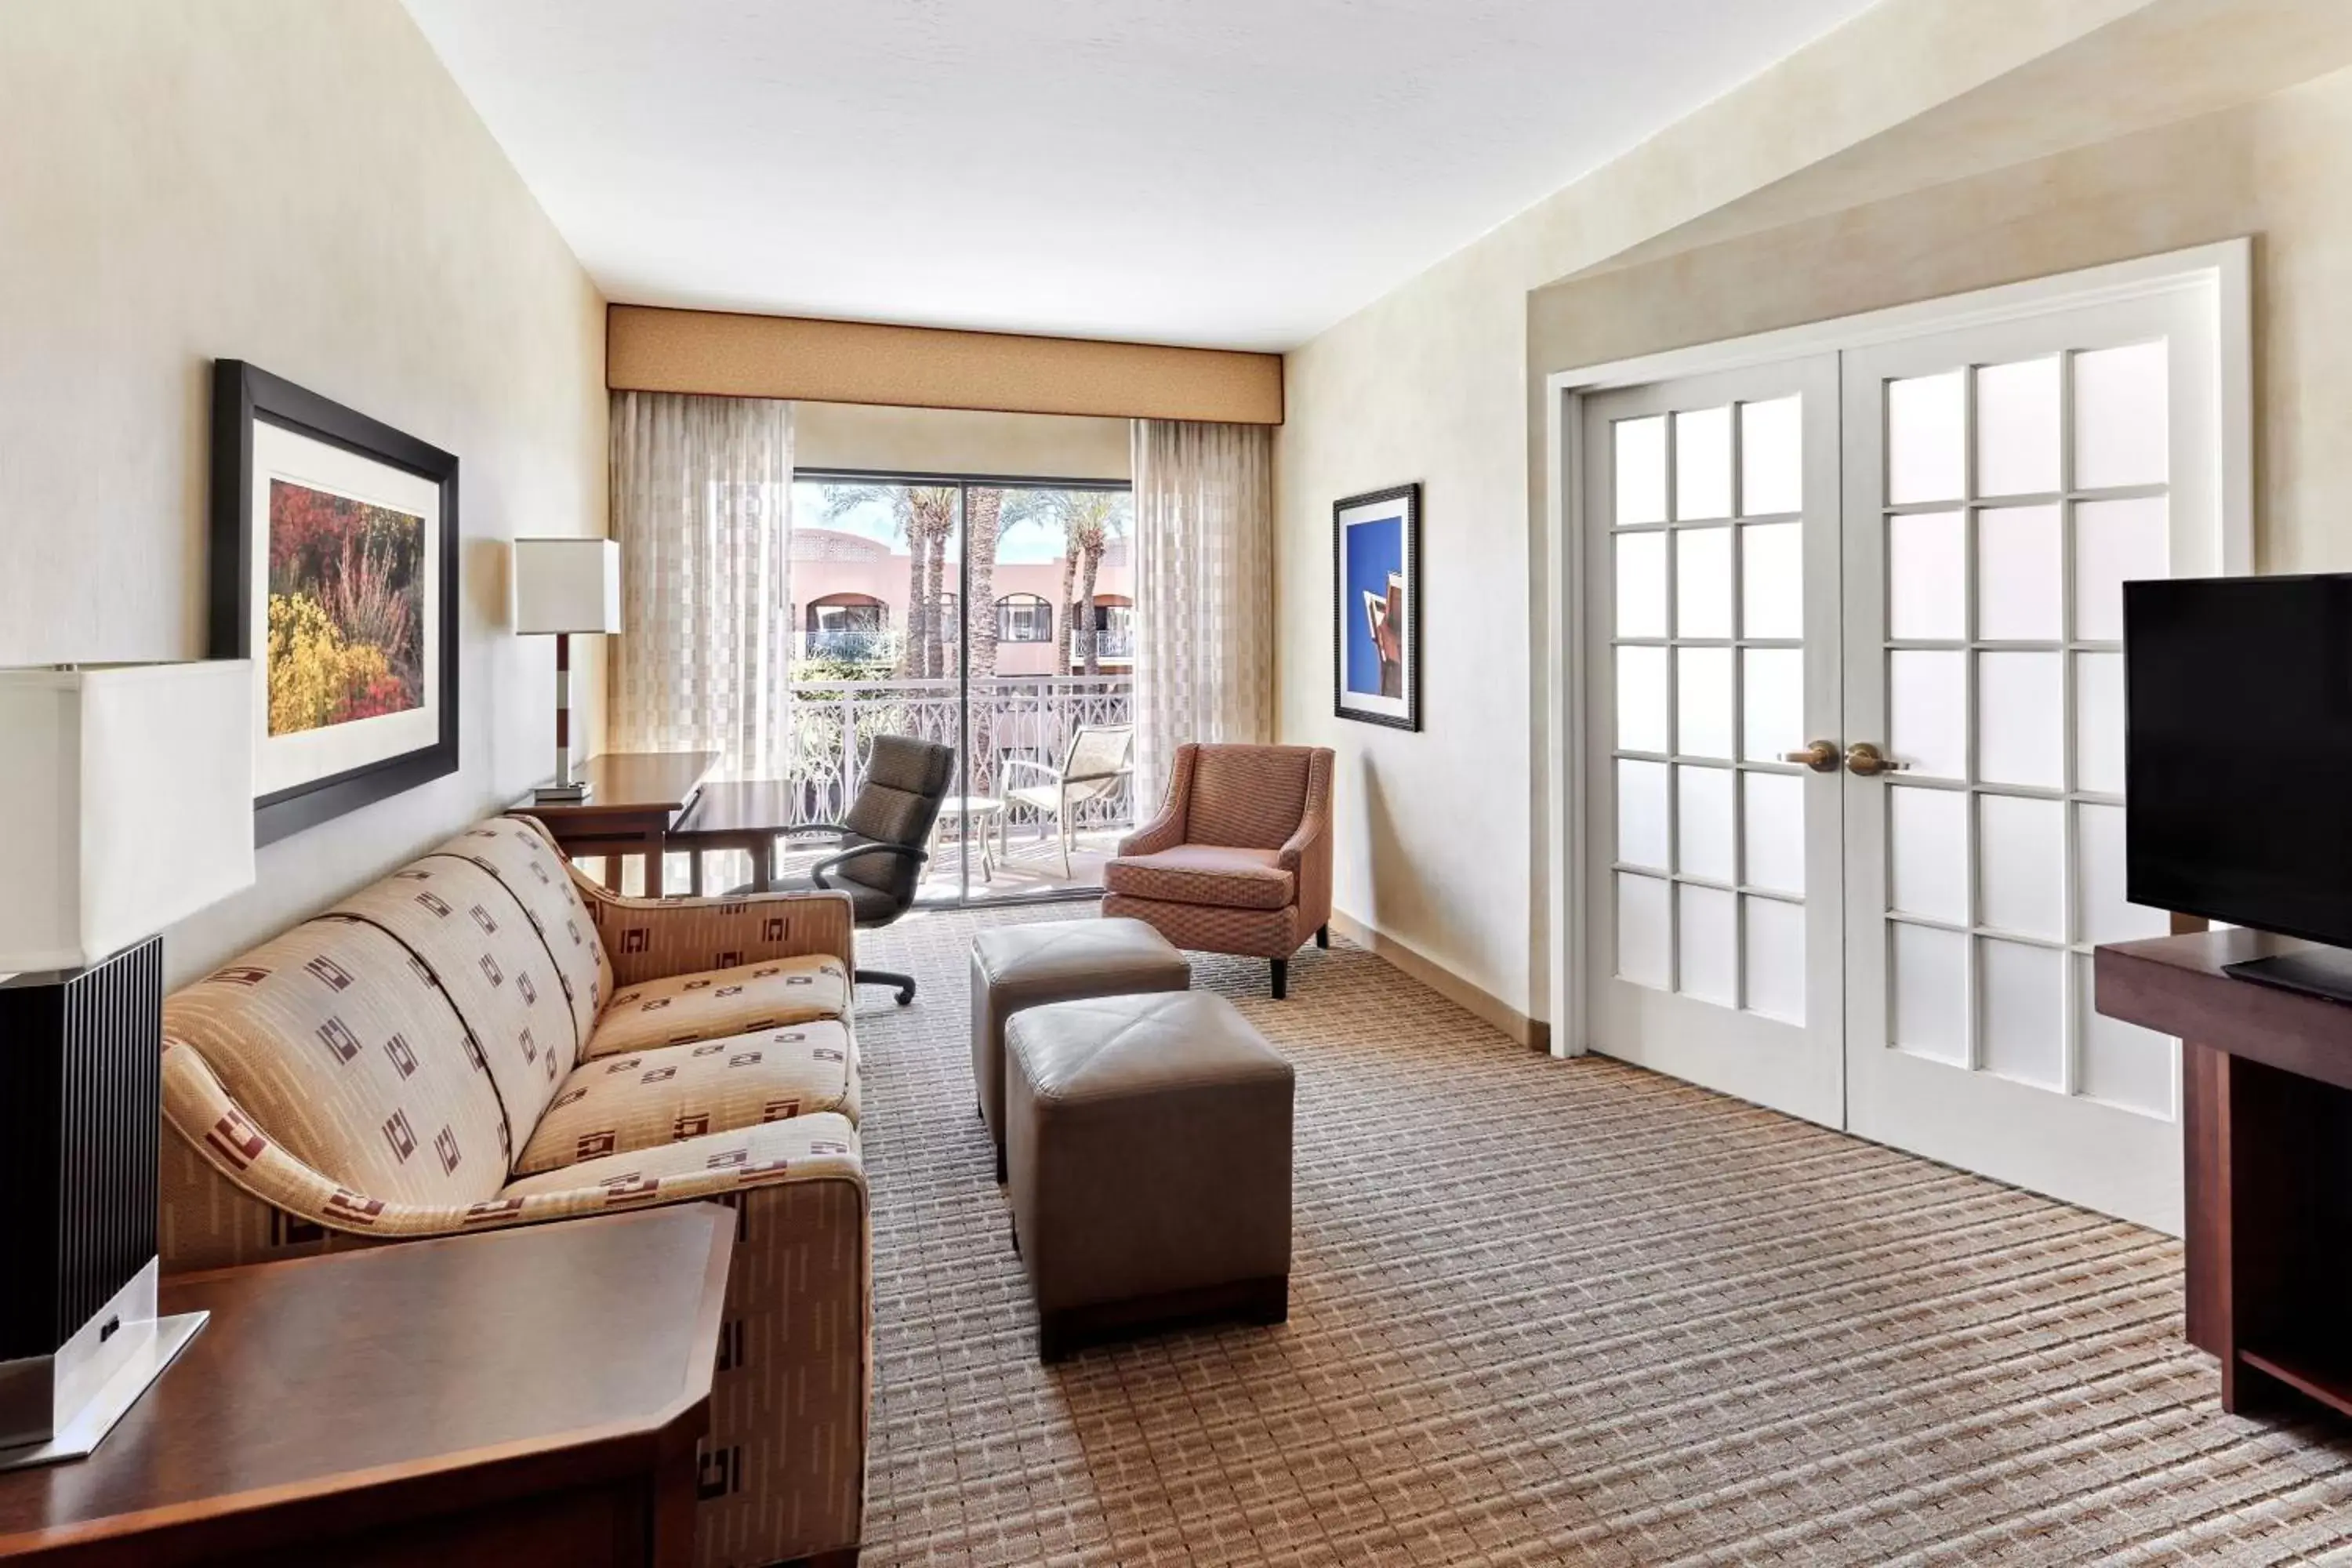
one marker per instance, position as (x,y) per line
(653,349)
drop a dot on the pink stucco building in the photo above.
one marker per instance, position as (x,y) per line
(849,585)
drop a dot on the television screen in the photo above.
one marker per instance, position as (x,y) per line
(2238,765)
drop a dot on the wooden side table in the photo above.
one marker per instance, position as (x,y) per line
(528,1395)
(634,799)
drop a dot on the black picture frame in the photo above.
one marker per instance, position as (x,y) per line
(243,394)
(1361,707)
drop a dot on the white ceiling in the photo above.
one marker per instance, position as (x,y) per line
(1233,173)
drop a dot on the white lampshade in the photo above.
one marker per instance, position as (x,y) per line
(128,793)
(567,586)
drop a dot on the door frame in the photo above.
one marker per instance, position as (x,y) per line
(2223,272)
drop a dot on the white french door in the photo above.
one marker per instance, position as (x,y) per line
(2001,484)
(1716,615)
(1900,562)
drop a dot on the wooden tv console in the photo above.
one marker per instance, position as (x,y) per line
(2266,1125)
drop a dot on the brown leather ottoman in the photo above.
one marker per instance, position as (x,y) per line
(1062,960)
(1149,1142)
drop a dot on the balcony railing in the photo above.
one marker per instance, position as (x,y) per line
(834,723)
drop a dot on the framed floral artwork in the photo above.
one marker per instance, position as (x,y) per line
(334,569)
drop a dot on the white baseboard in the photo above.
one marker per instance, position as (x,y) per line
(1533,1032)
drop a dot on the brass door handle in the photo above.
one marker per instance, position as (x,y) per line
(1866,761)
(1822,756)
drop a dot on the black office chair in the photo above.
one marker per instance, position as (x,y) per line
(884,834)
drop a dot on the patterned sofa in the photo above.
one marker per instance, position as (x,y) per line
(484,1038)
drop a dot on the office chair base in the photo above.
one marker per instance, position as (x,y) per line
(904,983)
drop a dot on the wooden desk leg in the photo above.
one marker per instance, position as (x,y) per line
(656,851)
(763,863)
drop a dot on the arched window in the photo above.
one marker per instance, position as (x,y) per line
(1023,617)
(846,623)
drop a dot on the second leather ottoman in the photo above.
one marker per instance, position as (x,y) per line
(1148,1144)
(1014,967)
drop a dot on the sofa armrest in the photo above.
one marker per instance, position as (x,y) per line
(653,938)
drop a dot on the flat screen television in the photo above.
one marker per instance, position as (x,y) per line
(2237,764)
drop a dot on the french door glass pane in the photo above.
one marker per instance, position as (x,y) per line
(2115,541)
(1703,463)
(1927,853)
(1773,821)
(2023,1005)
(2020,719)
(2021,848)
(1926,418)
(1709,843)
(2020,574)
(1645,953)
(1771,458)
(1772,569)
(1703,583)
(1926,576)
(1645,827)
(1708,928)
(1640,585)
(2017,428)
(2122,423)
(1928,712)
(1929,986)
(1640,458)
(1703,702)
(1775,933)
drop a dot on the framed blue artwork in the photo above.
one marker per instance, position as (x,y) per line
(1376,607)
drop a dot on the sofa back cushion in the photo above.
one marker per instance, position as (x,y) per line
(1247,798)
(492,966)
(334,1041)
(516,851)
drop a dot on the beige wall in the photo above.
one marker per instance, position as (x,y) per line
(959,441)
(1442,844)
(2277,169)
(300,184)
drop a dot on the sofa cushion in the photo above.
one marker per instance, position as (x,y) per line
(1202,874)
(461,920)
(519,853)
(338,1044)
(1252,796)
(616,1105)
(747,1156)
(687,1008)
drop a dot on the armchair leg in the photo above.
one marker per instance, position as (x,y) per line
(1323,937)
(904,983)
(1281,979)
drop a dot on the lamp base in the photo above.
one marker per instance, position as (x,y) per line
(559,794)
(78,1434)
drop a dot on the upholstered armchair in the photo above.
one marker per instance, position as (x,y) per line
(1239,858)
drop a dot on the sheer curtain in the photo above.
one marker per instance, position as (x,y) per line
(1204,590)
(701,504)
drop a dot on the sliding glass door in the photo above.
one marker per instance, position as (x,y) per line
(992,616)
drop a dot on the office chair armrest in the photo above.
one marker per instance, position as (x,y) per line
(816,872)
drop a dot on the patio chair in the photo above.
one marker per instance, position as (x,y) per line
(1099,755)
(883,836)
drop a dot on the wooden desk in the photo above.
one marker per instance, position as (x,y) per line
(529,1396)
(746,814)
(2266,1127)
(634,798)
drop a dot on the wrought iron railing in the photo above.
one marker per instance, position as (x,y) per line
(834,723)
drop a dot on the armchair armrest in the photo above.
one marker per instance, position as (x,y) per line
(1051,775)
(903,851)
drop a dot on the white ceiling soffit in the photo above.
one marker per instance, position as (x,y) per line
(1236,174)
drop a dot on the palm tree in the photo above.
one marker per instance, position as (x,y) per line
(1088,521)
(925,515)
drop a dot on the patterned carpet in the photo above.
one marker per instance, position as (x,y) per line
(1549,1312)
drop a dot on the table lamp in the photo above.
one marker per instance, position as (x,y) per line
(566,586)
(128,793)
